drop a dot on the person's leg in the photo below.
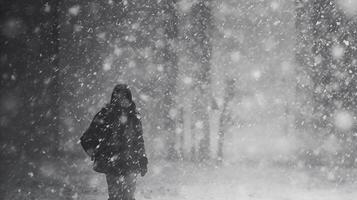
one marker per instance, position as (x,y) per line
(116,184)
(129,186)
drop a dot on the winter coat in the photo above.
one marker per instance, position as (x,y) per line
(117,143)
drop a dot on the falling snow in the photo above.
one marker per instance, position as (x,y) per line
(238,99)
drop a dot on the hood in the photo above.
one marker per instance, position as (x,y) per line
(114,102)
(121,88)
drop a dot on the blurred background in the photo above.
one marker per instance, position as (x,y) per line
(248,90)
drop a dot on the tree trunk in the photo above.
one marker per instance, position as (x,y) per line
(170,62)
(202,52)
(225,118)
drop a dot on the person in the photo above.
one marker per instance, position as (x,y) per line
(114,140)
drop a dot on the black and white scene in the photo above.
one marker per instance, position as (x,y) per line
(178,99)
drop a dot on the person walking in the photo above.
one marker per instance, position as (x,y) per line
(114,141)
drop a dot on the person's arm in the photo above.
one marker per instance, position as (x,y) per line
(90,139)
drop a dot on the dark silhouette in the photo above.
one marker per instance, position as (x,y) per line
(114,140)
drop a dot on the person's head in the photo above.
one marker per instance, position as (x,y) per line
(121,96)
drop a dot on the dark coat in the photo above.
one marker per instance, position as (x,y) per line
(118,147)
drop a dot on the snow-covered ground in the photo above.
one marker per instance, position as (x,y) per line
(180,181)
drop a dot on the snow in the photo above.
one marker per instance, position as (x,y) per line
(123,119)
(48,169)
(338,51)
(185,5)
(160,68)
(235,56)
(30,174)
(47,8)
(331,144)
(144,97)
(287,67)
(12,27)
(199,124)
(256,74)
(77,28)
(173,113)
(74,10)
(187,80)
(274,5)
(349,6)
(107,65)
(101,35)
(269,44)
(176,181)
(344,120)
(117,51)
(178,130)
(273,81)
